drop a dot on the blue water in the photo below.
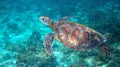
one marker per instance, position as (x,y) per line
(22,34)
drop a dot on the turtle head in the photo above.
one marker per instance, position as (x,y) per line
(46,20)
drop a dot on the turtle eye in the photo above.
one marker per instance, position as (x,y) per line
(42,18)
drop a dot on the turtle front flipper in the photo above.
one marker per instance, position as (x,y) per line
(48,43)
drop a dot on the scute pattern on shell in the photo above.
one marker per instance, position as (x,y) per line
(77,36)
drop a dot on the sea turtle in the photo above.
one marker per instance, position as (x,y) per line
(73,35)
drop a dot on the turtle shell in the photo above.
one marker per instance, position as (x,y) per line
(77,36)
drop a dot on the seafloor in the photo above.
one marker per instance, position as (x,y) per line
(22,34)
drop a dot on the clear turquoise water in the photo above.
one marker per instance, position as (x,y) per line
(22,34)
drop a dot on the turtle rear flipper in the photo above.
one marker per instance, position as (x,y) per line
(105,49)
(48,43)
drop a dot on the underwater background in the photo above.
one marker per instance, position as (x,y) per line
(22,34)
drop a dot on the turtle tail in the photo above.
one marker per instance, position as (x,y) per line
(105,49)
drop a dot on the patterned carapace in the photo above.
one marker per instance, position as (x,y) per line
(77,36)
